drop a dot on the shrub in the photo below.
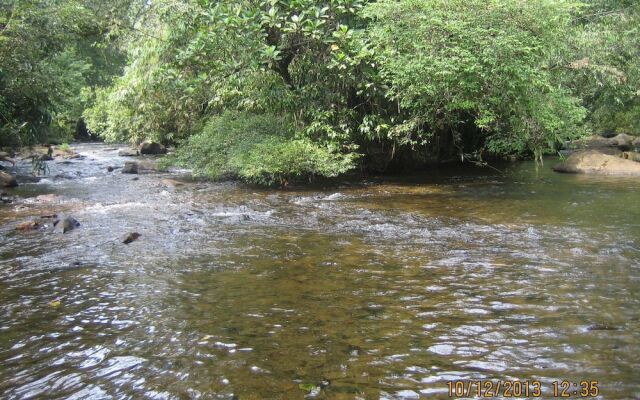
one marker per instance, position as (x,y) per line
(489,65)
(260,149)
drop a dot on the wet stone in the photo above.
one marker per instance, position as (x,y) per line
(128,153)
(65,225)
(130,238)
(7,180)
(130,167)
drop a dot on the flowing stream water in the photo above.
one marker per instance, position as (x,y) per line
(386,288)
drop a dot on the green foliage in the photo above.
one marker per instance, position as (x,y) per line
(50,57)
(274,161)
(38,165)
(270,91)
(604,64)
(299,58)
(259,149)
(65,147)
(450,64)
(38,69)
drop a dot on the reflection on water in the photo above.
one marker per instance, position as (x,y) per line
(386,289)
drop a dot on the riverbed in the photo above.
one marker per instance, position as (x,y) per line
(376,288)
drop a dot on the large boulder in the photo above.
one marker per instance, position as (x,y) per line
(622,141)
(596,163)
(152,148)
(130,167)
(7,158)
(636,144)
(7,180)
(609,145)
(148,165)
(591,142)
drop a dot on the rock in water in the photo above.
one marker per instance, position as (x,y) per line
(66,225)
(130,167)
(48,198)
(7,180)
(128,153)
(171,183)
(130,238)
(28,226)
(602,327)
(5,157)
(149,165)
(595,163)
(152,148)
(5,199)
(631,155)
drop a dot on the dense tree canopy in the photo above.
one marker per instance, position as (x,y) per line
(274,90)
(52,53)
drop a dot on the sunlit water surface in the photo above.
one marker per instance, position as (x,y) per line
(387,288)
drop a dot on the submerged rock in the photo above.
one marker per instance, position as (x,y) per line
(596,163)
(28,179)
(152,148)
(130,167)
(66,224)
(7,180)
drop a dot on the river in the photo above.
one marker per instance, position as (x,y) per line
(383,288)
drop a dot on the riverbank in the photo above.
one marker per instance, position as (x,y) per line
(386,288)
